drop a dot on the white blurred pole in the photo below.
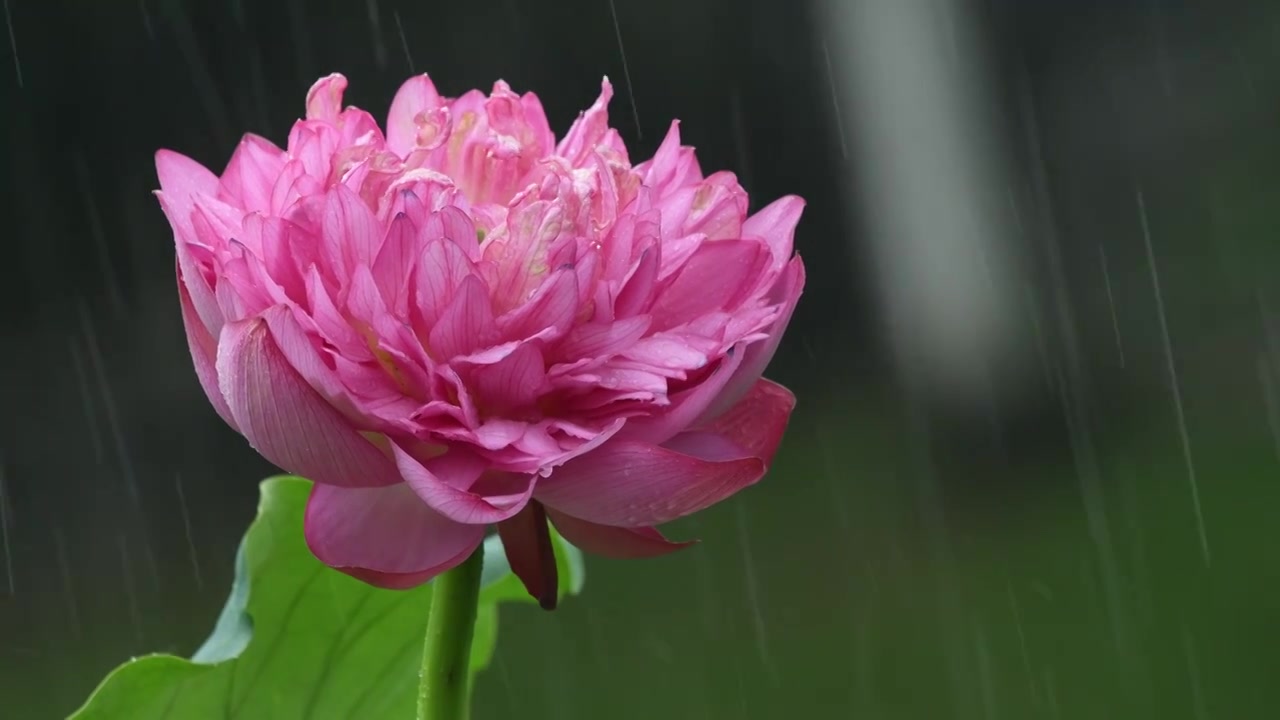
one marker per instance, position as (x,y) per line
(911,88)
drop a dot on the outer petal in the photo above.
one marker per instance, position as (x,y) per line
(756,357)
(614,542)
(204,355)
(631,484)
(776,224)
(756,422)
(252,172)
(385,536)
(286,420)
(530,554)
(455,485)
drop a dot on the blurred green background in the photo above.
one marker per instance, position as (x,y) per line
(1021,541)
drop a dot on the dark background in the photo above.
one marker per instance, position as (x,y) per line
(1029,549)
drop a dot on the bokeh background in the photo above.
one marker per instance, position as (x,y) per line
(1036,460)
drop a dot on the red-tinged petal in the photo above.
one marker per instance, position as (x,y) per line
(204,355)
(756,422)
(686,407)
(456,486)
(416,97)
(614,542)
(756,357)
(632,484)
(776,225)
(532,558)
(384,536)
(713,278)
(286,420)
(251,175)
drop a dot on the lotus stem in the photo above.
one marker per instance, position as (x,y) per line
(444,690)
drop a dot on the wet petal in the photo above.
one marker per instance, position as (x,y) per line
(384,536)
(623,543)
(633,484)
(286,420)
(456,486)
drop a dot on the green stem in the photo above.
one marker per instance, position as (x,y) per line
(444,690)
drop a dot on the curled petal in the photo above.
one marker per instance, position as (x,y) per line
(756,357)
(204,355)
(633,484)
(384,536)
(755,423)
(686,407)
(286,420)
(411,112)
(324,99)
(456,486)
(622,543)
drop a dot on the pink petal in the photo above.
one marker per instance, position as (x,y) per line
(350,234)
(204,354)
(756,356)
(384,536)
(395,264)
(511,385)
(456,486)
(324,99)
(286,420)
(466,324)
(251,175)
(714,278)
(181,179)
(589,129)
(686,407)
(614,542)
(756,423)
(416,96)
(673,166)
(553,306)
(632,484)
(439,272)
(532,558)
(776,225)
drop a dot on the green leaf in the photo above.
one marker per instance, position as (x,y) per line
(297,639)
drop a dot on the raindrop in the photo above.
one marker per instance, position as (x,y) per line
(626,71)
(1173,381)
(13,43)
(4,530)
(835,102)
(404,44)
(186,524)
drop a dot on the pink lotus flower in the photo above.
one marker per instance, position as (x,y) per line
(463,323)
